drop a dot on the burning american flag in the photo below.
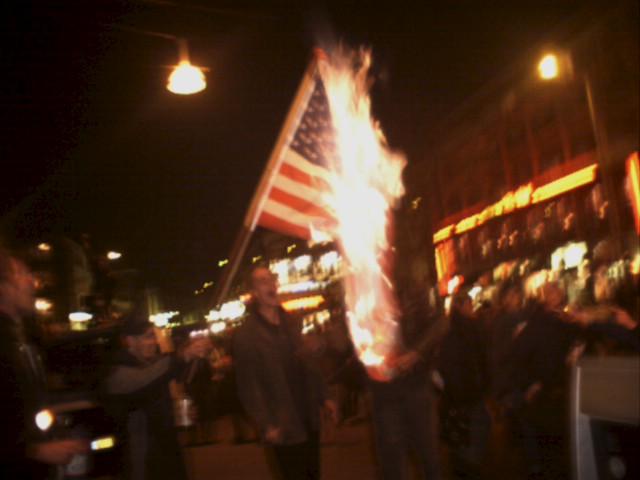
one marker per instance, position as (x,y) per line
(332,174)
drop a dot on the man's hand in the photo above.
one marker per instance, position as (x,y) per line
(518,330)
(196,348)
(406,361)
(532,392)
(437,380)
(58,452)
(622,318)
(273,435)
(332,410)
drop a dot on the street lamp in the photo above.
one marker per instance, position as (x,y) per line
(186,79)
(548,67)
(556,65)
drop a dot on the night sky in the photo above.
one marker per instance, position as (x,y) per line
(92,141)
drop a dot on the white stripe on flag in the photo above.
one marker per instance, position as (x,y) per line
(293,158)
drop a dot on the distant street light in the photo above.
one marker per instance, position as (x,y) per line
(548,67)
(43,305)
(80,316)
(44,247)
(114,255)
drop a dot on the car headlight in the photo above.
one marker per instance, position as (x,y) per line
(44,419)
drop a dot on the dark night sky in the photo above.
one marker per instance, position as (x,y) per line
(93,142)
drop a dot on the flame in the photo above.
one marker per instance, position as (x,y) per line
(365,184)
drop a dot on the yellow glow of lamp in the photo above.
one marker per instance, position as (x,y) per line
(186,79)
(548,67)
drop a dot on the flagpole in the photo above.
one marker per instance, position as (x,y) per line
(266,181)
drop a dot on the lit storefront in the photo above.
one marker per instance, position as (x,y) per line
(552,228)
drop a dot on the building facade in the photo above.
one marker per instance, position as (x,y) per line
(531,166)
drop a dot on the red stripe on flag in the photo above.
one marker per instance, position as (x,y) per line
(297,175)
(299,204)
(272,222)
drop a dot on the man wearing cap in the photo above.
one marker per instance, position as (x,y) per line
(137,392)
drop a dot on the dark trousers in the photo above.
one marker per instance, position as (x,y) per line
(300,461)
(467,458)
(405,421)
(545,449)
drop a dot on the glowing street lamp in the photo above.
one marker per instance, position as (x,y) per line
(548,67)
(186,79)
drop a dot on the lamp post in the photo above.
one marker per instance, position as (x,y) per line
(554,65)
(185,78)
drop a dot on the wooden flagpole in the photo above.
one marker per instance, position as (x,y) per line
(266,181)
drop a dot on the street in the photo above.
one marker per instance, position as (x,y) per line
(346,454)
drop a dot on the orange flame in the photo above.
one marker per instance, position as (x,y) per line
(365,183)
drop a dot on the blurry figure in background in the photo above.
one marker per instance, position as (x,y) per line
(611,325)
(534,392)
(508,324)
(22,383)
(243,429)
(198,384)
(225,391)
(511,319)
(346,373)
(404,413)
(463,375)
(278,388)
(137,393)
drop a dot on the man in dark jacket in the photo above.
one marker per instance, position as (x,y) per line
(462,365)
(511,318)
(404,408)
(22,384)
(535,391)
(137,393)
(276,384)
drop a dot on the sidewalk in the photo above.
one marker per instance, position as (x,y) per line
(346,454)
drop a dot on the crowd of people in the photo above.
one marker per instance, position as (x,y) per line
(459,378)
